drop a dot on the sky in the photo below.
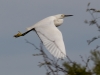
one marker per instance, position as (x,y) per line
(16,15)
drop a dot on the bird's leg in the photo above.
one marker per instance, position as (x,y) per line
(22,34)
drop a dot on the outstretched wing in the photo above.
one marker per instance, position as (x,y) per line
(51,37)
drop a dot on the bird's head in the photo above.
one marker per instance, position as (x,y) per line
(61,16)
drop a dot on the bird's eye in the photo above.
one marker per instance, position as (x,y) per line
(62,15)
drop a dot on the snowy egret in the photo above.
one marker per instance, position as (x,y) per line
(49,34)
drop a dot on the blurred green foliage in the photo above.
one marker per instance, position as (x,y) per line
(78,69)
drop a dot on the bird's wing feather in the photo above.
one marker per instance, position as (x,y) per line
(51,38)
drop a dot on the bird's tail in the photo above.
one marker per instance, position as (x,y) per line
(29,28)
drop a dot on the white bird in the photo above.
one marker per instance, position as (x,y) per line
(49,34)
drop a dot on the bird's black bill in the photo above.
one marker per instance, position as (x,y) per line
(68,15)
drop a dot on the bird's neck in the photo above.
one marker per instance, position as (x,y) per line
(58,22)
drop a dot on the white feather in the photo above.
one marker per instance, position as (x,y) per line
(51,36)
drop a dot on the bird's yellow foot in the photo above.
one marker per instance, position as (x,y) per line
(18,34)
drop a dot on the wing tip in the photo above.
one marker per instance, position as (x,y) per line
(62,56)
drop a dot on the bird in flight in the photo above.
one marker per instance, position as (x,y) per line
(49,34)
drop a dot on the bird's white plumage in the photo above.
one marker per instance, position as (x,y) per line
(50,36)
